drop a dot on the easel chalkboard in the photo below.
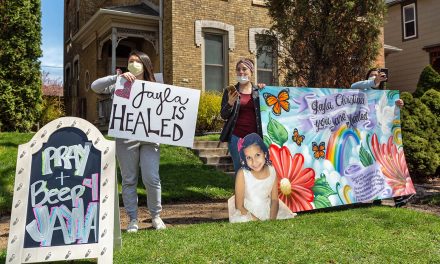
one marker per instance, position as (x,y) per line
(65,202)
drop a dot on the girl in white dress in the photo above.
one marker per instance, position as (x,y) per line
(256,187)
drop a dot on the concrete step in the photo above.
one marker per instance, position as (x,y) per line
(212,160)
(208,152)
(209,144)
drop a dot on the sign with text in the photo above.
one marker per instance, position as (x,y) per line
(154,112)
(334,146)
(64,197)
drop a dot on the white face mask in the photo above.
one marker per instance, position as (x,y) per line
(136,68)
(372,78)
(242,79)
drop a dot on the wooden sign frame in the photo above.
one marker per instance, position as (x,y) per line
(109,236)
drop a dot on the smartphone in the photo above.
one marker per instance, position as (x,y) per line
(384,70)
(231,88)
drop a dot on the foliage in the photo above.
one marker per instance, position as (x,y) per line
(420,135)
(208,118)
(326,43)
(429,78)
(20,83)
(52,108)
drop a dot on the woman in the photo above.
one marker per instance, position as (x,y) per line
(133,153)
(240,109)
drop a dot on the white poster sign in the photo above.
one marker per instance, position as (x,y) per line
(154,112)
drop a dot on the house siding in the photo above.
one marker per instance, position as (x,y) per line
(406,66)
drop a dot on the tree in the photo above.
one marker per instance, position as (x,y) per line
(20,77)
(326,43)
(429,78)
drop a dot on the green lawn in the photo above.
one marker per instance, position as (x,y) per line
(361,235)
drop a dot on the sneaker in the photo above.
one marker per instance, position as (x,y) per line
(133,226)
(157,223)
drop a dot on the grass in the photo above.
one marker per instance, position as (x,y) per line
(210,137)
(363,235)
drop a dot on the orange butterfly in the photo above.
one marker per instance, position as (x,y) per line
(318,150)
(297,138)
(278,102)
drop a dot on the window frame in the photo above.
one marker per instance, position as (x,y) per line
(274,70)
(405,6)
(225,48)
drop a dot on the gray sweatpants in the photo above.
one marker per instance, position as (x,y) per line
(132,154)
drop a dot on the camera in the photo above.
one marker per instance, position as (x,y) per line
(384,70)
(231,88)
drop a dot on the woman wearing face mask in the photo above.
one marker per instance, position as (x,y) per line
(374,79)
(240,109)
(133,153)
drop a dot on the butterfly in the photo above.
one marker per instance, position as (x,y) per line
(297,138)
(318,151)
(124,93)
(278,102)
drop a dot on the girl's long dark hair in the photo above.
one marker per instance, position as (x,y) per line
(148,66)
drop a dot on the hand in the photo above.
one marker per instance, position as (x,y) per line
(232,97)
(381,77)
(399,103)
(129,76)
(261,85)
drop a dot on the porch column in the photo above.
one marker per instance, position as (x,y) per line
(114,45)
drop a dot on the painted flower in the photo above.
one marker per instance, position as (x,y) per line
(295,183)
(393,166)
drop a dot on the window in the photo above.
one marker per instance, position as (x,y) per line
(75,78)
(266,63)
(409,21)
(215,62)
(67,83)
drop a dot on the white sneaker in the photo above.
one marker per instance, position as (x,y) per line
(157,223)
(133,226)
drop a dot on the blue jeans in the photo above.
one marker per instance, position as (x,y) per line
(233,151)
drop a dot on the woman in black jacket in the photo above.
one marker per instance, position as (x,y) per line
(240,109)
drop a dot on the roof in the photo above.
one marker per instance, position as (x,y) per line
(142,9)
(392,2)
(52,90)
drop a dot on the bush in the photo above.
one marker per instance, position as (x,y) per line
(429,78)
(420,136)
(208,118)
(53,108)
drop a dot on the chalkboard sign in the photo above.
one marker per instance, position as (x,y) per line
(64,203)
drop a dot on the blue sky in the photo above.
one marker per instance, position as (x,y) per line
(52,37)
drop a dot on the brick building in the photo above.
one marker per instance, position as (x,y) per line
(193,43)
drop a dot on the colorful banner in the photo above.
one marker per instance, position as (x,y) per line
(154,112)
(333,147)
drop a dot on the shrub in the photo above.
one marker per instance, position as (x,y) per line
(420,136)
(429,78)
(53,108)
(208,118)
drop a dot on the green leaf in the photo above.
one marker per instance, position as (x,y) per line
(321,202)
(277,132)
(322,188)
(365,157)
(267,141)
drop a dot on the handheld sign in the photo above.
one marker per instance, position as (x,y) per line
(64,204)
(154,112)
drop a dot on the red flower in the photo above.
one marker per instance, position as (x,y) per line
(393,166)
(294,183)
